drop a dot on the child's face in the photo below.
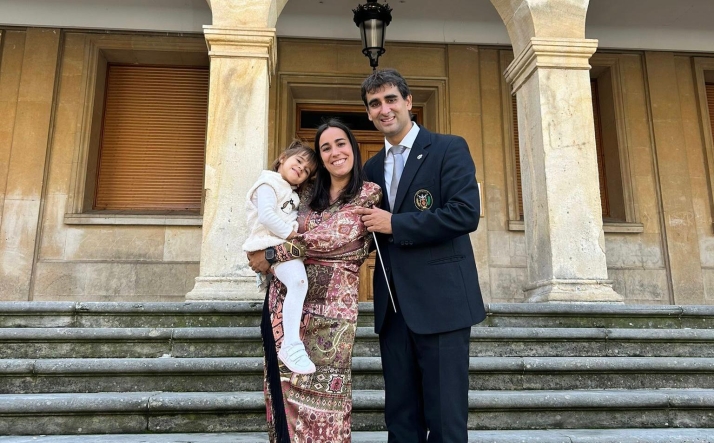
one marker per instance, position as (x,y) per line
(296,169)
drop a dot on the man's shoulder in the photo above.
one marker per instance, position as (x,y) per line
(427,136)
(444,142)
(445,138)
(371,161)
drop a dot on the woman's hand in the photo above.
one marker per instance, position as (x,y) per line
(292,235)
(257,261)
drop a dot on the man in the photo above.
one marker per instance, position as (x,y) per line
(428,210)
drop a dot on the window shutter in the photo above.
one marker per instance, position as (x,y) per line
(598,144)
(604,201)
(152,145)
(710,104)
(517,152)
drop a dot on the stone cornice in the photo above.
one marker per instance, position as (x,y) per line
(550,53)
(242,43)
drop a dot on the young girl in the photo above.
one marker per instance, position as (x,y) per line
(271,209)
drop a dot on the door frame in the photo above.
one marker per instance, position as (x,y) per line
(292,89)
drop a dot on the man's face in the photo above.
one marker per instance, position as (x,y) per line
(389,112)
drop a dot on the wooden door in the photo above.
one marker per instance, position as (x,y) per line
(370,143)
(369,146)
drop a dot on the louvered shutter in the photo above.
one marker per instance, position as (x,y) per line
(152,146)
(710,104)
(517,152)
(604,200)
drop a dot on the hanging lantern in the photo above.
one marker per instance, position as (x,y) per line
(372,20)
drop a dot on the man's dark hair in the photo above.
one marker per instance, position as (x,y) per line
(320,199)
(384,77)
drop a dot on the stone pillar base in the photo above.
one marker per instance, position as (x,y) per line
(225,289)
(572,291)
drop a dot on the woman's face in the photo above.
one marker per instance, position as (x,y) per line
(336,153)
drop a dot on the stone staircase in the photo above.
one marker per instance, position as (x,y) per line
(192,372)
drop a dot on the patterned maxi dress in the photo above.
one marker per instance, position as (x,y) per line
(316,408)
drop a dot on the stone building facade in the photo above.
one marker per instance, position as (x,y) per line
(655,246)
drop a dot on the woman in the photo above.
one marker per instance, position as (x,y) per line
(317,407)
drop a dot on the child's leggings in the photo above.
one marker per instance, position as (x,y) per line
(292,275)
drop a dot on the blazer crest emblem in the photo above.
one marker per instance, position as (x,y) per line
(423,199)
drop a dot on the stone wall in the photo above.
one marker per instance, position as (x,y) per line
(506,249)
(99,262)
(636,261)
(663,254)
(28,69)
(686,190)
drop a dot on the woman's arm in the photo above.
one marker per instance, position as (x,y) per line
(337,237)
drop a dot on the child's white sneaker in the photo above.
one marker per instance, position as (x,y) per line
(296,359)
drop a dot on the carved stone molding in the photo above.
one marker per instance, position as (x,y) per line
(572,291)
(550,53)
(242,43)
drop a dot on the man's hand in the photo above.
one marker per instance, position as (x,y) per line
(376,220)
(257,261)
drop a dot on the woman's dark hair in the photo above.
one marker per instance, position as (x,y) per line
(320,199)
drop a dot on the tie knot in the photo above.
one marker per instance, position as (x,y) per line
(398,149)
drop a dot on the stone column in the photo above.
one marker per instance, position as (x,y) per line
(242,61)
(561,194)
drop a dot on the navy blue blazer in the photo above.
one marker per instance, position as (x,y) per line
(429,255)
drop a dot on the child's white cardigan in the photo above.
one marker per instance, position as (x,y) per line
(260,237)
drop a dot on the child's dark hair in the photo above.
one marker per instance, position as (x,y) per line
(297,147)
(321,192)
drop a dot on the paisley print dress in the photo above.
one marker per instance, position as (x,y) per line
(316,408)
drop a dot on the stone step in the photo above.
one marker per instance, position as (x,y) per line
(218,437)
(21,343)
(565,373)
(244,314)
(595,315)
(134,412)
(128,315)
(609,409)
(670,435)
(82,375)
(129,342)
(571,342)
(25,376)
(162,412)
